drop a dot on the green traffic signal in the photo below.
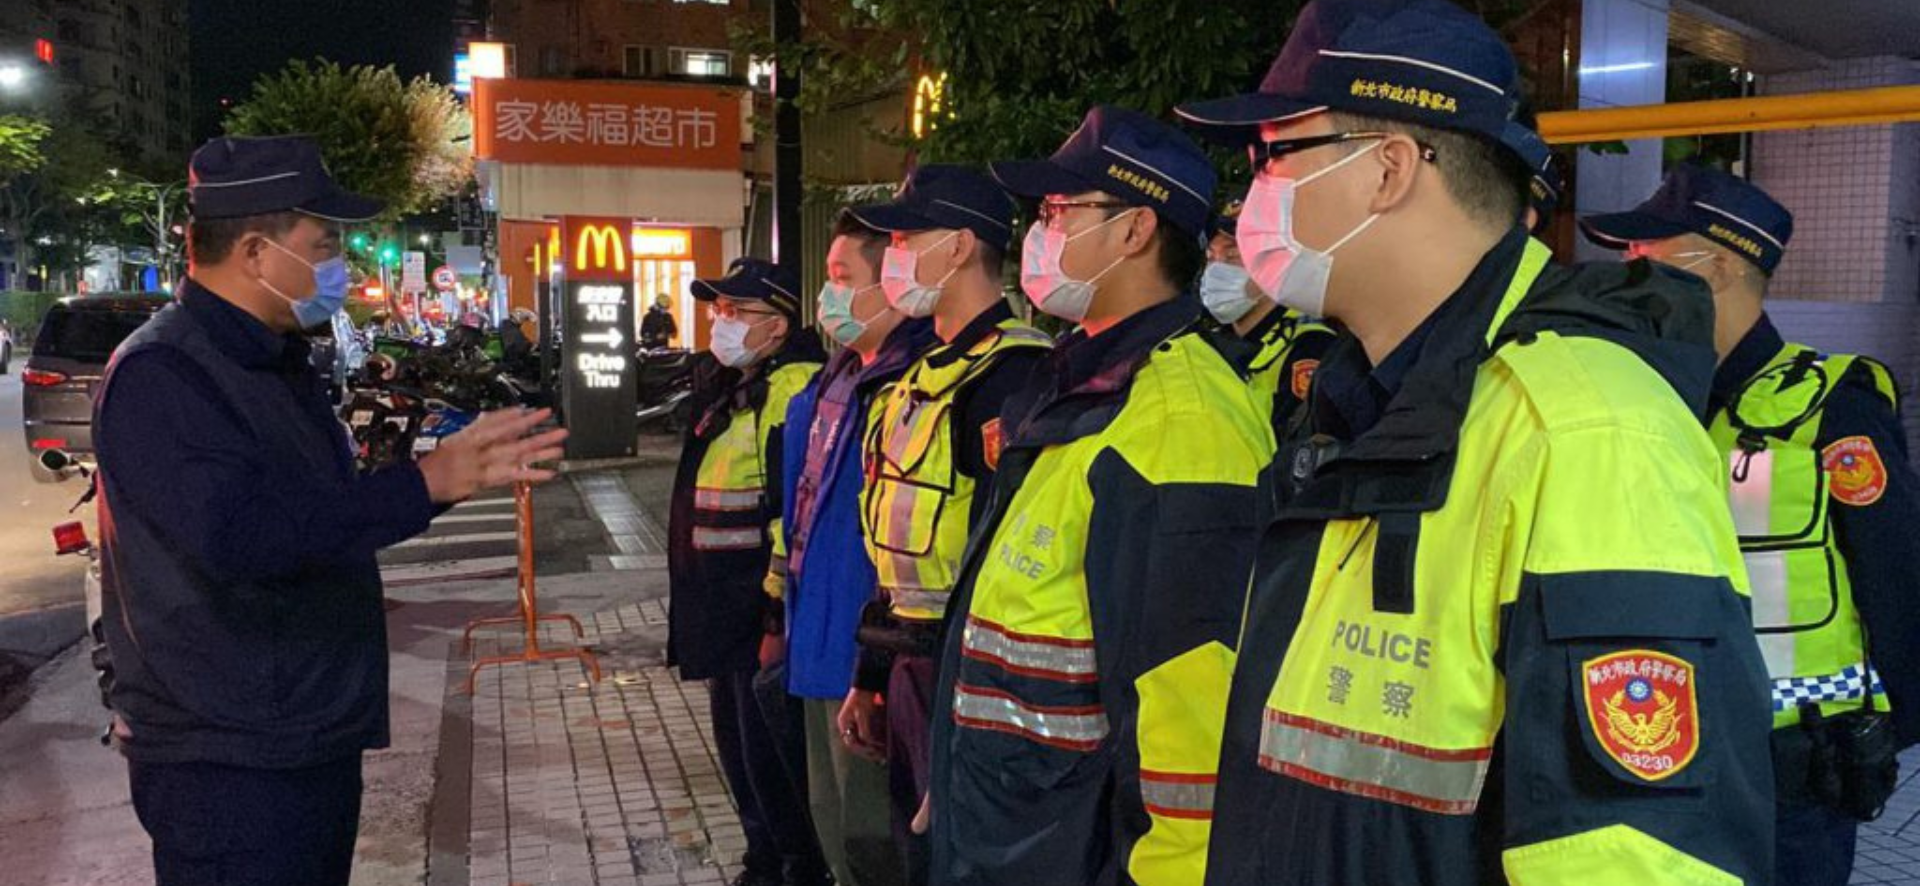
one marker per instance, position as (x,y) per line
(389,254)
(358,242)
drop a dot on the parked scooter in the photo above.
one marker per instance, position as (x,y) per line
(666,381)
(70,540)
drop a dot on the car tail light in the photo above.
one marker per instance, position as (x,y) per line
(45,443)
(39,378)
(70,538)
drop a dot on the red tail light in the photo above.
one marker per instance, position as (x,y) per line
(70,538)
(37,378)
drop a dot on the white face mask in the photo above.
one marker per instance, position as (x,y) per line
(1223,289)
(1288,271)
(899,277)
(1042,279)
(729,342)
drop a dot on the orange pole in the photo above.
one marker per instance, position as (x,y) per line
(1849,107)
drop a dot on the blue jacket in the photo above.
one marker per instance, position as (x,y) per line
(828,586)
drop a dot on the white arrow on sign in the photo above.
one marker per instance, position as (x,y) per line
(610,338)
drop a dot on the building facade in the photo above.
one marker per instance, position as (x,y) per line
(126,61)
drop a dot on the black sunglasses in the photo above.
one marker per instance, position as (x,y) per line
(1261,153)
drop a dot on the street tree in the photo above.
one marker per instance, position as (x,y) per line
(404,143)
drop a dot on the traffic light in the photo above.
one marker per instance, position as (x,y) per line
(358,242)
(389,253)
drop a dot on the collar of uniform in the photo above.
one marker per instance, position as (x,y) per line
(1093,374)
(237,333)
(1105,363)
(1429,378)
(1756,349)
(980,327)
(1268,328)
(904,345)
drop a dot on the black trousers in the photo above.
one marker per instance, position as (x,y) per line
(773,808)
(216,825)
(910,755)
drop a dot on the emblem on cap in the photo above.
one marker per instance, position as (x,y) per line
(1643,710)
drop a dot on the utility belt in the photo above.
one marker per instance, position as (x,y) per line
(880,629)
(1846,762)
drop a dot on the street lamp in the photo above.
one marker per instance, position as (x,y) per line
(13,76)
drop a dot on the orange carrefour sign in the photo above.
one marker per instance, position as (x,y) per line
(593,123)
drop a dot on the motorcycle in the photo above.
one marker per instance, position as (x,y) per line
(70,540)
(665,383)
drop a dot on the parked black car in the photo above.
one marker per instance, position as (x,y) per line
(70,353)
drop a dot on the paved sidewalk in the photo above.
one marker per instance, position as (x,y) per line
(613,784)
(1889,849)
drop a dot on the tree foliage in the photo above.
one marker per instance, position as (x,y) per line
(404,143)
(1021,73)
(21,139)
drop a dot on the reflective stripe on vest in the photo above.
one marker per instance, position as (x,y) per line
(726,499)
(1046,658)
(1803,611)
(709,539)
(1178,795)
(1073,728)
(1347,760)
(915,503)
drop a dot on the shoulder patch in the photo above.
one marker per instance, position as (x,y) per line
(1302,380)
(1642,707)
(1855,474)
(992,441)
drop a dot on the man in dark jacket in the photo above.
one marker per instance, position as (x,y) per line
(245,618)
(725,507)
(657,327)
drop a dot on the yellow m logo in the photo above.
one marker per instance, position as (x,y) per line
(603,238)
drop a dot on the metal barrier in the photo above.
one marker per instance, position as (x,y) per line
(529,616)
(1815,110)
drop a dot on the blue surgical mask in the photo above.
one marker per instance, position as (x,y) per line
(836,313)
(330,282)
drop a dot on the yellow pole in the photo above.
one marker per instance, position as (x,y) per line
(1852,107)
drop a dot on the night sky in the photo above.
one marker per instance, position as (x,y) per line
(235,41)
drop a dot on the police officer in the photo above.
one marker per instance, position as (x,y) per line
(1544,179)
(1498,626)
(1082,687)
(930,450)
(1287,346)
(725,510)
(823,573)
(245,618)
(1824,498)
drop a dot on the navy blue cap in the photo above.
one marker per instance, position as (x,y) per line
(1227,220)
(1427,62)
(1545,182)
(1708,202)
(1130,155)
(942,197)
(242,177)
(755,279)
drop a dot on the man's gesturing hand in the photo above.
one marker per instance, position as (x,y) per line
(492,452)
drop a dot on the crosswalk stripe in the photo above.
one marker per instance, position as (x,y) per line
(474,518)
(449,570)
(436,541)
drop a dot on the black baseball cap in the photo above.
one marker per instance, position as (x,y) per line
(1427,62)
(1698,200)
(1130,155)
(231,177)
(755,279)
(944,197)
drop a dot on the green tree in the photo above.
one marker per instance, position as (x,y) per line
(20,145)
(49,211)
(404,143)
(1021,73)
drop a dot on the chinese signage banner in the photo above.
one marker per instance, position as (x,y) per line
(599,123)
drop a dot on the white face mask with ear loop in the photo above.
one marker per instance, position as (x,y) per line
(1046,283)
(899,277)
(1288,271)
